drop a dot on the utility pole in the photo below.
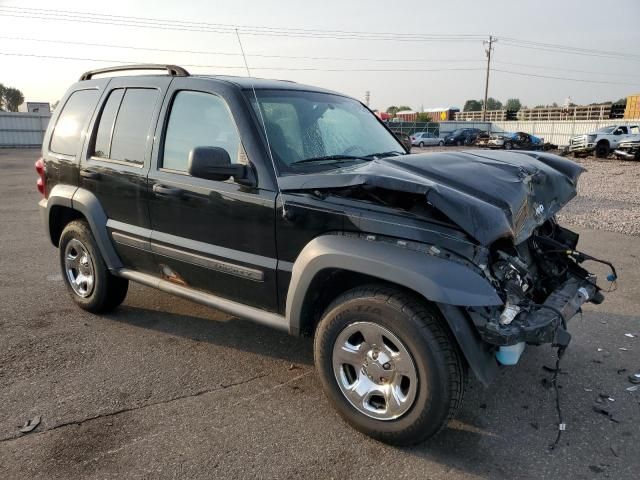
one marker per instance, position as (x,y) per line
(489,45)
(367,97)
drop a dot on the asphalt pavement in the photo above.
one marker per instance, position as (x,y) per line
(165,388)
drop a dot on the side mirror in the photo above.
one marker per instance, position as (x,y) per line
(214,163)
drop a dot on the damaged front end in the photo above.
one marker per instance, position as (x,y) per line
(505,203)
(543,284)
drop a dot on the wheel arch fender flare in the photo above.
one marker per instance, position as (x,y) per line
(88,204)
(436,279)
(450,285)
(59,196)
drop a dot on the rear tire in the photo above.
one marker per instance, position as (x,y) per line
(422,402)
(87,278)
(508,146)
(441,143)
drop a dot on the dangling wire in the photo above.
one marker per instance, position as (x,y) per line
(554,381)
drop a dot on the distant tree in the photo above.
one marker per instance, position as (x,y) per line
(493,104)
(554,104)
(13,98)
(472,106)
(2,90)
(423,117)
(392,110)
(513,104)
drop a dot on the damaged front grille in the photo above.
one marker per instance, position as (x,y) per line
(543,285)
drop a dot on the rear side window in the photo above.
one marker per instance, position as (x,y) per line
(124,125)
(67,133)
(199,119)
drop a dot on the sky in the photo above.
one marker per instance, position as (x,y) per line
(394,66)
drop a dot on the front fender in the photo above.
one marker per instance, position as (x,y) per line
(436,279)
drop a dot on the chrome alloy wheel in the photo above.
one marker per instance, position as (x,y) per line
(374,371)
(78,267)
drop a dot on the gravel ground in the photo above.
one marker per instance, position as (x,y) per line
(608,197)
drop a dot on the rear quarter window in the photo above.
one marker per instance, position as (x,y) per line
(68,132)
(129,139)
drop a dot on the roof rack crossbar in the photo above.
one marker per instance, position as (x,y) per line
(173,70)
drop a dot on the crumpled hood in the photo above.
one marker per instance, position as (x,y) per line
(489,195)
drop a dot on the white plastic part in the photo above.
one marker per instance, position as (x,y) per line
(511,354)
(508,314)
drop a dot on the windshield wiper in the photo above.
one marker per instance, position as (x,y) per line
(331,157)
(393,153)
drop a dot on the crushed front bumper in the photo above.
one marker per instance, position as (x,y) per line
(539,324)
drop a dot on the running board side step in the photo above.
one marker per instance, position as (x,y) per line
(263,317)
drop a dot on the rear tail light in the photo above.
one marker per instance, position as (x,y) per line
(41,183)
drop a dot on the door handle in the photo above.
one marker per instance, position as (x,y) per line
(164,190)
(89,174)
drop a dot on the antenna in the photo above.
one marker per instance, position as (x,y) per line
(264,125)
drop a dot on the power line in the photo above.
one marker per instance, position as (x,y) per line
(547,67)
(593,54)
(176,24)
(302,57)
(235,54)
(229,26)
(569,48)
(287,69)
(170,24)
(294,69)
(524,74)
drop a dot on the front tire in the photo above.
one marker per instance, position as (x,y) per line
(389,365)
(602,150)
(421,144)
(87,278)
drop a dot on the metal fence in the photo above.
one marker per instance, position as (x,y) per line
(558,132)
(22,129)
(413,127)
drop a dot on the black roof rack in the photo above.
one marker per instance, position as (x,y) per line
(173,70)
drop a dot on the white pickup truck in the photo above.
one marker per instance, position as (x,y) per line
(603,140)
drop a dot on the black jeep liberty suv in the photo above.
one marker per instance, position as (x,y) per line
(295,207)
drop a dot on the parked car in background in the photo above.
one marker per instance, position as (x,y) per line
(421,139)
(603,140)
(462,136)
(482,140)
(405,139)
(515,141)
(628,150)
